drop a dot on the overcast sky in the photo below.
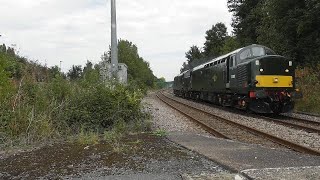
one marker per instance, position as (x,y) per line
(73,31)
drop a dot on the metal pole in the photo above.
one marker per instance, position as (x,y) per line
(114,40)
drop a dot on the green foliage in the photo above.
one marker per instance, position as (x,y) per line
(247,18)
(4,76)
(215,38)
(290,27)
(139,71)
(230,44)
(309,84)
(41,104)
(88,138)
(75,72)
(160,133)
(194,54)
(102,106)
(161,83)
(217,43)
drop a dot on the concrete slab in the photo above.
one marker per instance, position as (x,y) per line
(292,173)
(221,176)
(134,177)
(239,156)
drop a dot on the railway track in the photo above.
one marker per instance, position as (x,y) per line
(293,122)
(254,134)
(297,123)
(308,114)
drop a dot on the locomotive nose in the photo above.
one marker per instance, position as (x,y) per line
(277,72)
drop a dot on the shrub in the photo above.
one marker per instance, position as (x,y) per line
(309,83)
(42,111)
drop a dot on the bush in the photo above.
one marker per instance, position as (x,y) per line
(309,83)
(38,104)
(42,111)
(101,106)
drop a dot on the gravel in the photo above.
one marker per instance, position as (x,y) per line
(311,140)
(303,116)
(167,119)
(145,154)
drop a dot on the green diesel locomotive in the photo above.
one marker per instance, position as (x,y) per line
(252,78)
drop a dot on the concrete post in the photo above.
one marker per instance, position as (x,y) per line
(114,40)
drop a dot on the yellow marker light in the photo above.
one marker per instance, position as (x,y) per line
(276,80)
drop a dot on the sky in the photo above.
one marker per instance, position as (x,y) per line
(74,31)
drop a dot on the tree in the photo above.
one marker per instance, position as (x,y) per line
(161,83)
(75,73)
(88,67)
(246,18)
(193,54)
(290,27)
(138,69)
(215,38)
(185,67)
(230,44)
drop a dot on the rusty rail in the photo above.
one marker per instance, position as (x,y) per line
(204,126)
(275,139)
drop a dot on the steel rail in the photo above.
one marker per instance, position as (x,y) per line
(308,114)
(275,139)
(203,125)
(302,120)
(297,126)
(279,121)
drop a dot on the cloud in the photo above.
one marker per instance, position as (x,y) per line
(76,30)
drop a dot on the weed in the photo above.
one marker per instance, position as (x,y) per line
(160,133)
(88,138)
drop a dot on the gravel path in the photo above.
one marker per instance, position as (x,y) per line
(167,119)
(311,140)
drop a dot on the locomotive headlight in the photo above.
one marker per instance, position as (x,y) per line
(257,62)
(261,70)
(290,63)
(287,70)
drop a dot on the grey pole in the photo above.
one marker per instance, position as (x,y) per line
(114,40)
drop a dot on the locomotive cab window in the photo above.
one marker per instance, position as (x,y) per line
(258,51)
(245,54)
(269,52)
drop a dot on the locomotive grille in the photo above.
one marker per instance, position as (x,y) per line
(242,75)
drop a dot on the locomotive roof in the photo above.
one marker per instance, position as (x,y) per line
(217,59)
(220,57)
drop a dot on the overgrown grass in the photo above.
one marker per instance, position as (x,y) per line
(309,84)
(32,111)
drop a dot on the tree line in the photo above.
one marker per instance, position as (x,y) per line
(289,27)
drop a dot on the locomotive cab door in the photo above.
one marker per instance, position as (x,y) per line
(227,73)
(232,65)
